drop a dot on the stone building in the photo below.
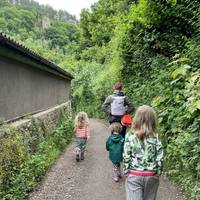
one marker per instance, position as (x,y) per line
(28,82)
(46,23)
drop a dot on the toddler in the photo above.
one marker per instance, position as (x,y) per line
(82,133)
(114,145)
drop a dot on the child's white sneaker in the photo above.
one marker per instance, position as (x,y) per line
(78,154)
(116,179)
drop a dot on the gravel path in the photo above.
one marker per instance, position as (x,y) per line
(90,179)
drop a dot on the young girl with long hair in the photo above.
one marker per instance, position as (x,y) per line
(82,133)
(143,156)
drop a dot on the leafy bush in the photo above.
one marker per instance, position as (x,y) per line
(13,155)
(161,68)
(178,110)
(20,169)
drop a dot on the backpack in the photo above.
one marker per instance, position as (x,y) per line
(117,105)
(126,120)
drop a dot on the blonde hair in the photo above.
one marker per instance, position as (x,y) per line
(144,122)
(115,127)
(81,120)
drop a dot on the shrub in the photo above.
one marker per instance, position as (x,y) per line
(21,169)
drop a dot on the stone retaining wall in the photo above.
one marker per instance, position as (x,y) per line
(40,124)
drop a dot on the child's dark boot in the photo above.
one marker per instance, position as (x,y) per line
(82,155)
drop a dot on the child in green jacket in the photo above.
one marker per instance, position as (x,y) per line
(114,145)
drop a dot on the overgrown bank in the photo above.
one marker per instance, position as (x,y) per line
(162,69)
(23,163)
(153,48)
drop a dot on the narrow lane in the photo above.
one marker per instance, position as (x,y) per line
(90,179)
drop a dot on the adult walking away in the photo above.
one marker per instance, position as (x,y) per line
(142,157)
(116,105)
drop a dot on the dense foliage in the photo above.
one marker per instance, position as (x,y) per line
(160,64)
(152,46)
(23,162)
(53,34)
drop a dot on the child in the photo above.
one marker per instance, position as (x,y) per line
(114,145)
(82,132)
(142,157)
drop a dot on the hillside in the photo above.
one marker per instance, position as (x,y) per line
(41,28)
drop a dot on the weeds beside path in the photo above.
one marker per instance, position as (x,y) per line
(91,178)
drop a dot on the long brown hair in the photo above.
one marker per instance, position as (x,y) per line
(144,122)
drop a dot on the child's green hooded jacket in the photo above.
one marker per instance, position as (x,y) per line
(114,145)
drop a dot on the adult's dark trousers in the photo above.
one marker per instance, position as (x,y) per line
(123,132)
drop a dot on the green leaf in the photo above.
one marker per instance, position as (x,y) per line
(180,71)
(198,104)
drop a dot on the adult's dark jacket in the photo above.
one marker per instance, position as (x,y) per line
(106,107)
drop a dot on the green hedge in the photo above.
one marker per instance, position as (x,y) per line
(22,169)
(160,58)
(174,92)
